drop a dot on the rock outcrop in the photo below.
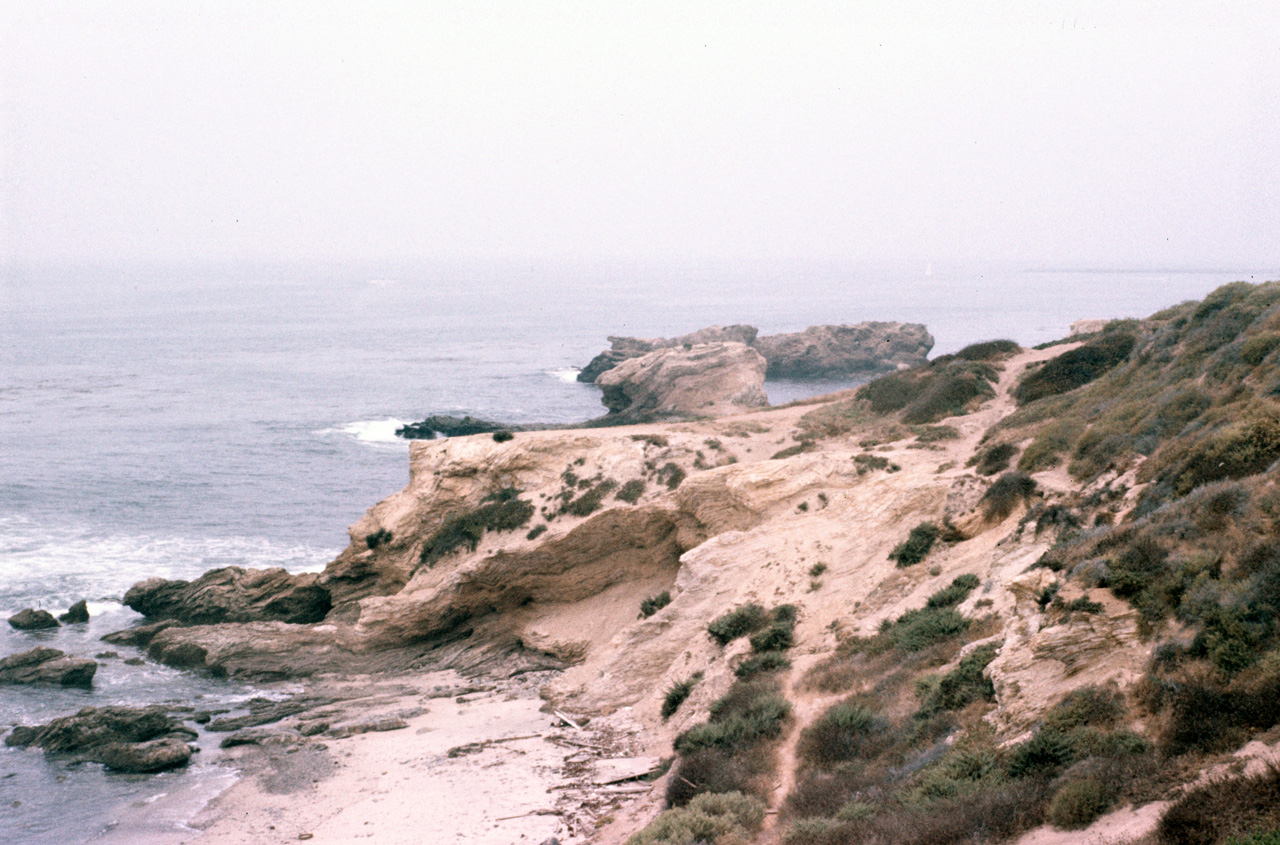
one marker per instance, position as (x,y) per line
(707,379)
(126,739)
(33,620)
(47,666)
(76,614)
(831,352)
(452,427)
(233,594)
(843,351)
(622,348)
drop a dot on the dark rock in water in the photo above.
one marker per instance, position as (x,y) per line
(139,635)
(624,348)
(33,620)
(78,612)
(452,427)
(126,739)
(233,594)
(47,666)
(145,757)
(863,349)
(263,711)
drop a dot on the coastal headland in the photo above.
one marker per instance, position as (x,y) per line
(1003,595)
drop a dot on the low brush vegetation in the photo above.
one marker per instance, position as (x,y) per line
(500,511)
(714,819)
(993,459)
(677,693)
(917,546)
(653,604)
(744,620)
(945,387)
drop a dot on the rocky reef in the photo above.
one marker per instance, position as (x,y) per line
(818,352)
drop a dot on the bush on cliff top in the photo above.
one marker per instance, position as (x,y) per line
(500,511)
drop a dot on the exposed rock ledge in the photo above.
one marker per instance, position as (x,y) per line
(850,351)
(708,379)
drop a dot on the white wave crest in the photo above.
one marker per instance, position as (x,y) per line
(569,374)
(370,432)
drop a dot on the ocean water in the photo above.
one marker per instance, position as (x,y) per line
(164,421)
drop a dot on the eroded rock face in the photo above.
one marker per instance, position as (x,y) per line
(126,739)
(705,380)
(841,351)
(233,594)
(33,620)
(623,348)
(848,351)
(47,666)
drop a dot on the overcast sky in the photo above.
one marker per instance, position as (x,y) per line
(1068,133)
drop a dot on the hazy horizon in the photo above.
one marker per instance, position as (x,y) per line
(1049,135)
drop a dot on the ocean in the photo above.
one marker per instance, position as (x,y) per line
(165,421)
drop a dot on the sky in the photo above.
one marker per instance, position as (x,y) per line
(1107,134)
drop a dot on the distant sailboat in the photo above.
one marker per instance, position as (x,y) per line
(928,270)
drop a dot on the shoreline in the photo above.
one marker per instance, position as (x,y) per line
(453,759)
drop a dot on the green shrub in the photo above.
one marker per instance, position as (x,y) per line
(653,604)
(631,491)
(750,712)
(500,511)
(502,436)
(1075,368)
(1090,706)
(917,545)
(1005,493)
(939,389)
(1258,347)
(962,685)
(845,732)
(378,538)
(1079,802)
(993,459)
(671,475)
(990,350)
(758,664)
(737,623)
(916,630)
(792,451)
(867,462)
(536,531)
(677,693)
(1259,837)
(590,501)
(708,818)
(1042,756)
(1244,449)
(954,593)
(777,637)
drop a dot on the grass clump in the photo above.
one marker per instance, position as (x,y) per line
(1075,368)
(945,387)
(727,627)
(536,531)
(677,693)
(762,663)
(936,433)
(500,511)
(1225,809)
(917,545)
(631,491)
(503,436)
(1078,803)
(653,604)
(731,751)
(714,819)
(1005,493)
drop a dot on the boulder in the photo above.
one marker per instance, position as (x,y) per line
(624,348)
(47,666)
(33,620)
(126,739)
(845,351)
(139,636)
(709,379)
(233,594)
(78,612)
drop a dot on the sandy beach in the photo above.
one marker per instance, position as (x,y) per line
(431,758)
